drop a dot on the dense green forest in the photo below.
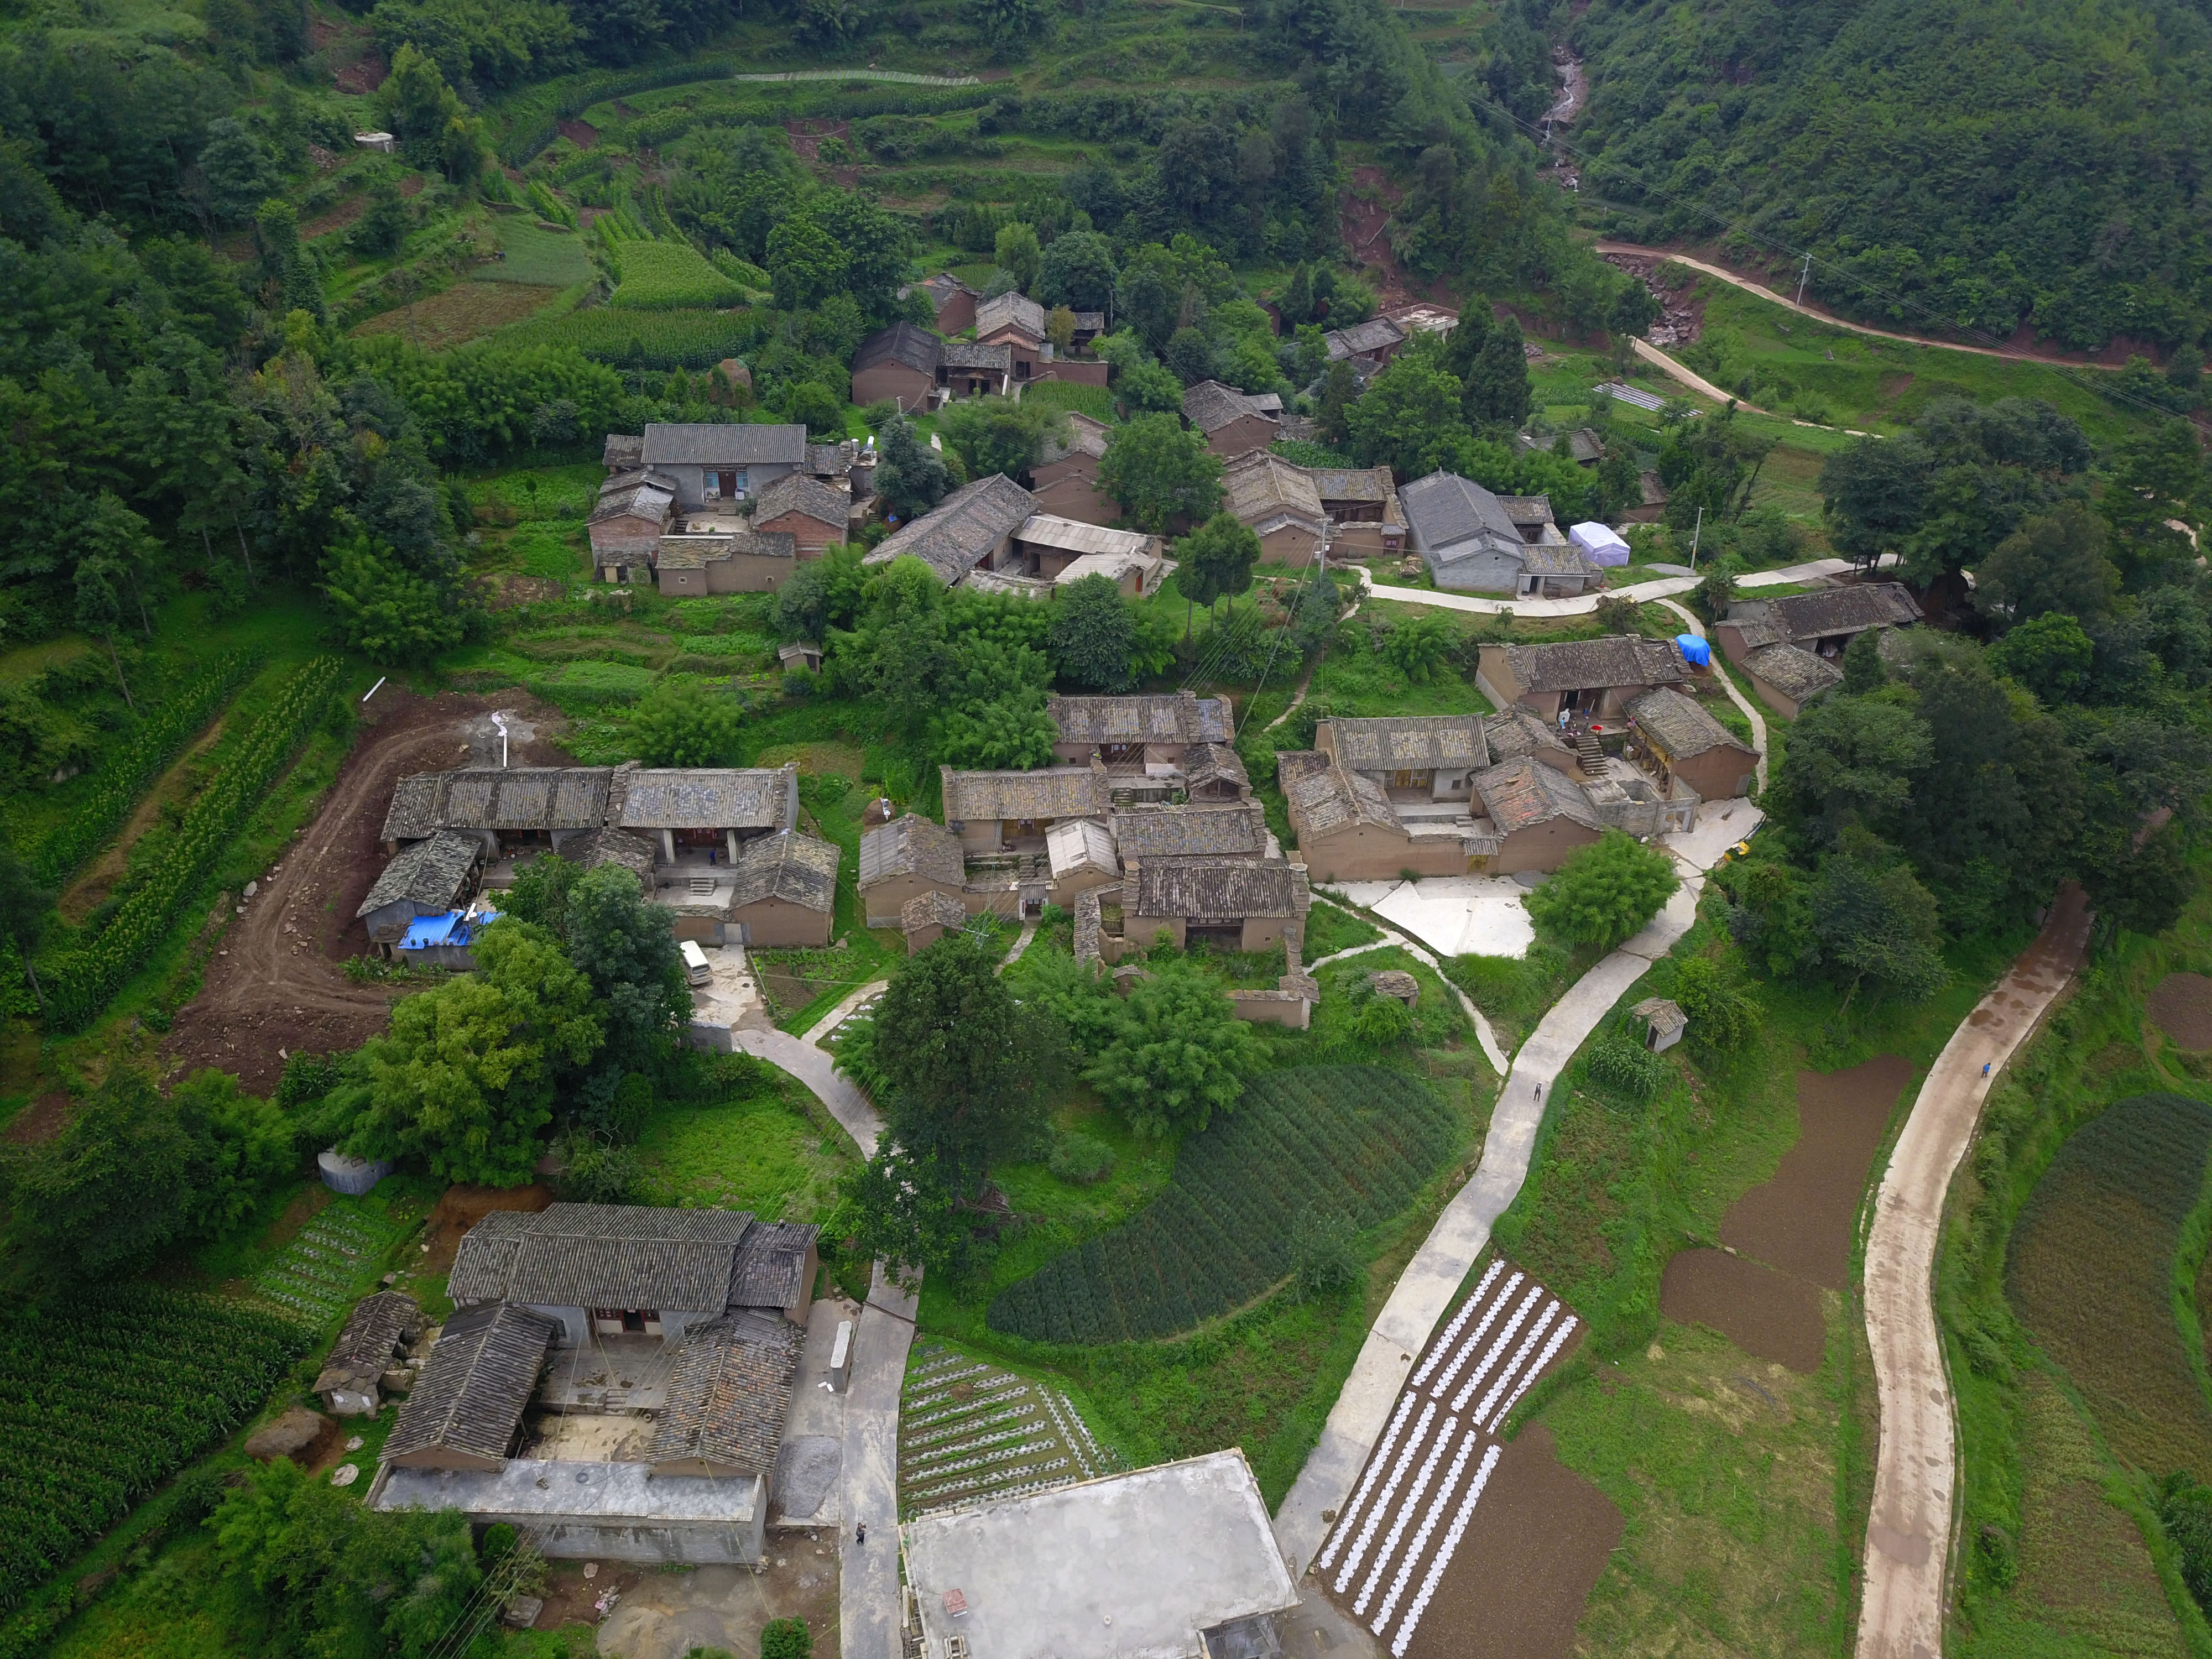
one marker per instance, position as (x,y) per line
(1969,163)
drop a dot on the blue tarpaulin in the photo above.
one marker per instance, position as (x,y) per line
(451,927)
(1695,650)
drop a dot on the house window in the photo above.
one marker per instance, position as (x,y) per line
(1407,778)
(1121,753)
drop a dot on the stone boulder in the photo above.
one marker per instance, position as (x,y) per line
(292,1435)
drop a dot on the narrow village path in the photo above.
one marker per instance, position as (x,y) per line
(1833,321)
(868,1573)
(813,1067)
(1582,604)
(821,1028)
(1751,710)
(1910,1522)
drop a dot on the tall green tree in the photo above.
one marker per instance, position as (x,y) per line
(1604,891)
(1497,390)
(1018,254)
(2055,564)
(682,722)
(1407,419)
(625,945)
(1157,470)
(910,478)
(1178,1054)
(1215,563)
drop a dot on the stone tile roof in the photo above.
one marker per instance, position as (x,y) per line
(602,1255)
(1444,511)
(771,1267)
(1680,727)
(1794,671)
(471,1392)
(1010,310)
(364,1348)
(1208,764)
(789,865)
(431,874)
(1210,405)
(1266,492)
(1324,797)
(1160,717)
(1353,483)
(497,798)
(834,460)
(800,492)
(903,343)
(1084,436)
(1515,730)
(1073,536)
(699,443)
(911,846)
(1588,664)
(623,452)
(727,1397)
(957,534)
(1799,617)
(966,354)
(1055,792)
(710,798)
(939,288)
(1215,892)
(1232,829)
(1525,793)
(633,853)
(1663,1014)
(1527,511)
(1076,845)
(1555,559)
(697,552)
(932,909)
(1409,742)
(634,496)
(1362,339)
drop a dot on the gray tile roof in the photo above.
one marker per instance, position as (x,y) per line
(911,846)
(1163,717)
(364,1348)
(1324,797)
(1525,793)
(1084,436)
(1409,742)
(635,496)
(1680,727)
(1444,511)
(1515,730)
(1590,665)
(903,343)
(788,866)
(633,853)
(688,797)
(480,1375)
(1055,792)
(834,460)
(697,552)
(771,1270)
(1853,609)
(931,910)
(432,874)
(622,451)
(1794,672)
(968,354)
(1354,483)
(1361,340)
(1209,765)
(497,798)
(1215,892)
(727,1397)
(957,534)
(1210,405)
(799,492)
(940,288)
(1010,311)
(602,1255)
(1266,491)
(1238,830)
(697,443)
(1555,559)
(1527,511)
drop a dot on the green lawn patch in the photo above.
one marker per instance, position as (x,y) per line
(550,259)
(758,1149)
(1330,929)
(1356,1142)
(669,277)
(1095,401)
(659,338)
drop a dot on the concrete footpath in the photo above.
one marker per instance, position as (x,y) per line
(868,1574)
(1909,1525)
(1430,1280)
(1582,604)
(811,1067)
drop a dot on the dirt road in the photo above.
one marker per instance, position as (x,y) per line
(1909,1526)
(277,982)
(1830,318)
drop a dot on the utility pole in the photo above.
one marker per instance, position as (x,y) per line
(1804,275)
(1696,531)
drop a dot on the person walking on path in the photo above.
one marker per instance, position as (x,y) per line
(860,1533)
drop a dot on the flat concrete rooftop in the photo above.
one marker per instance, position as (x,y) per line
(1130,1566)
(621,1493)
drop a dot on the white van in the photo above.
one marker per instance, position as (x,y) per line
(696,966)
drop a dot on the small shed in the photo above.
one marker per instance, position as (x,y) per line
(364,1350)
(1600,544)
(926,919)
(801,654)
(1396,984)
(383,142)
(1664,1022)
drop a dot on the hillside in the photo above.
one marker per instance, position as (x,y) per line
(1965,162)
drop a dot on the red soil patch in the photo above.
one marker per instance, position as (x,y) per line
(1763,1312)
(41,1120)
(275,984)
(582,134)
(1535,1546)
(1364,224)
(806,137)
(1801,1221)
(2181,1006)
(337,219)
(364,75)
(462,1207)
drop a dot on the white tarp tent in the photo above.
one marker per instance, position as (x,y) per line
(1599,546)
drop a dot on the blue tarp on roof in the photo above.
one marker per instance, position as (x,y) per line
(452,927)
(1695,650)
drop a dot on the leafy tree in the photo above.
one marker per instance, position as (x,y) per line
(1324,1249)
(964,1062)
(239,170)
(1723,1016)
(1417,645)
(2051,655)
(1059,329)
(998,434)
(1863,666)
(1711,465)
(1017,253)
(2146,886)
(1078,272)
(1156,472)
(1011,25)
(625,945)
(683,722)
(1178,1055)
(1095,636)
(2158,481)
(1214,562)
(2184,1513)
(417,106)
(822,593)
(814,406)
(1339,392)
(27,911)
(465,1078)
(910,478)
(1604,891)
(1874,921)
(2051,564)
(1716,590)
(1634,309)
(1188,355)
(786,1638)
(1147,388)
(390,614)
(1408,416)
(805,264)
(1497,392)
(1013,736)
(1849,760)
(901,1209)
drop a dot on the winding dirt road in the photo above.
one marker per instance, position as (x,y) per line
(277,981)
(1916,1473)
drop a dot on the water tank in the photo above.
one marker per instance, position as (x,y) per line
(351,1176)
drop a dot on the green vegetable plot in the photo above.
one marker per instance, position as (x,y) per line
(1354,1141)
(101,1399)
(670,276)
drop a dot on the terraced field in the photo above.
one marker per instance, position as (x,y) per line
(970,1432)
